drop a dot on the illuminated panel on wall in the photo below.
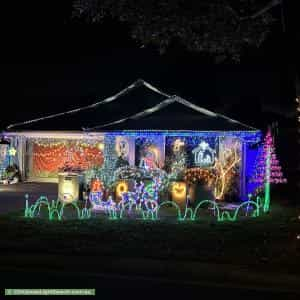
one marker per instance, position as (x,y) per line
(251,154)
(49,157)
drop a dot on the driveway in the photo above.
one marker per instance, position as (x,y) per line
(12,197)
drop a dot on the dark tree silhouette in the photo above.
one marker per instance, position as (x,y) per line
(219,27)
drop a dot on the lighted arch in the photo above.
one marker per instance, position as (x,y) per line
(215,205)
(226,215)
(72,204)
(43,200)
(164,203)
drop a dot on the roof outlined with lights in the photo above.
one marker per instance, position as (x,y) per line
(152,109)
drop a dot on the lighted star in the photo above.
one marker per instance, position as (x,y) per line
(203,145)
(12,151)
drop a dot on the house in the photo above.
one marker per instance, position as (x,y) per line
(160,131)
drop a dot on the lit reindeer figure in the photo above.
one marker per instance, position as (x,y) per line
(151,194)
(133,198)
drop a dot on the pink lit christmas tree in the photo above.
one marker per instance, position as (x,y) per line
(267,168)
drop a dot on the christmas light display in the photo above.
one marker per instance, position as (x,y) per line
(99,204)
(151,191)
(110,159)
(12,151)
(179,193)
(51,157)
(150,210)
(199,175)
(95,199)
(4,159)
(204,155)
(140,174)
(218,177)
(149,152)
(96,185)
(122,187)
(225,170)
(55,209)
(267,169)
(68,187)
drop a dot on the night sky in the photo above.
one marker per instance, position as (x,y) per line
(50,63)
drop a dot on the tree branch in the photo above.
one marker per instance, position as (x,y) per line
(270,5)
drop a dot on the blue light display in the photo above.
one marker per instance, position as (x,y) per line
(246,136)
(251,153)
(191,143)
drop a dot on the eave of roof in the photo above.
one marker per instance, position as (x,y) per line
(230,124)
(167,102)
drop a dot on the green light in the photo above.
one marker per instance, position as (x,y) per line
(55,209)
(267,181)
(150,211)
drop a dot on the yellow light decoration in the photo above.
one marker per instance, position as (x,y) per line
(68,187)
(178,143)
(100,146)
(12,151)
(122,187)
(178,193)
(193,175)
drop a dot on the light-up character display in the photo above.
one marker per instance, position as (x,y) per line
(150,159)
(122,150)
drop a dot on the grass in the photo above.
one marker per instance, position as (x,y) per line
(267,243)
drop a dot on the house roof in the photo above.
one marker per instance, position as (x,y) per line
(150,109)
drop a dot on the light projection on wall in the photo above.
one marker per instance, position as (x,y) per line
(122,150)
(149,158)
(48,158)
(4,156)
(149,152)
(176,160)
(204,155)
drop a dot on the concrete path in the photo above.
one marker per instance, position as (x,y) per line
(12,197)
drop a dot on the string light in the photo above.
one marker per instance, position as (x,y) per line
(56,209)
(267,169)
(218,177)
(52,157)
(12,151)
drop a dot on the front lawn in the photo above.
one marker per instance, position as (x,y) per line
(268,243)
